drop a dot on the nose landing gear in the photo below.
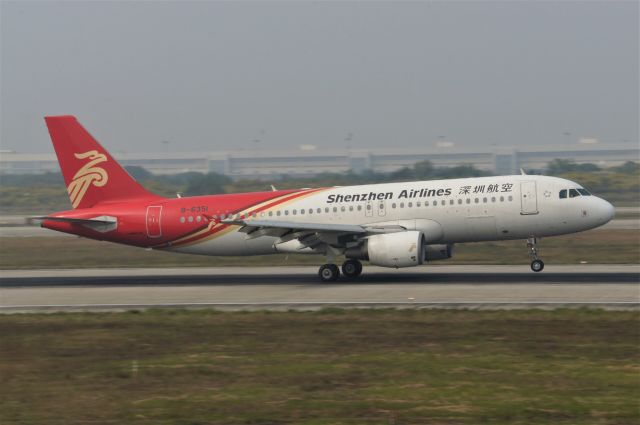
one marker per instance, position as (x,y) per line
(536,264)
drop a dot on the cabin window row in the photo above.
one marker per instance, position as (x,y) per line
(352,208)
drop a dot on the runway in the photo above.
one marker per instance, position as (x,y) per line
(282,288)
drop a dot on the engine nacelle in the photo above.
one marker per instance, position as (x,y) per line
(402,249)
(438,252)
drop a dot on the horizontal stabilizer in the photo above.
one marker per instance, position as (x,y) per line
(102,224)
(72,220)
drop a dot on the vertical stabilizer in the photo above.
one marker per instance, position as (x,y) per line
(90,172)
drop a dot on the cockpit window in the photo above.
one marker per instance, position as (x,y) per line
(563,193)
(584,192)
(573,193)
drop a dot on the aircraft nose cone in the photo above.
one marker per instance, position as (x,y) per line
(606,211)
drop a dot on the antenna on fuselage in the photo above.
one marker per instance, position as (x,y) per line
(273,188)
(522,172)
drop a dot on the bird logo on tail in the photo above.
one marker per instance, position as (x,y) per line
(86,176)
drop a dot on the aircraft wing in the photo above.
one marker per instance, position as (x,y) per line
(251,225)
(311,235)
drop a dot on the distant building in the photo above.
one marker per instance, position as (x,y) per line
(271,165)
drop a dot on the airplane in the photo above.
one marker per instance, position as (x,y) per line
(389,225)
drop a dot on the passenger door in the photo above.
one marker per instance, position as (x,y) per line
(528,198)
(154,214)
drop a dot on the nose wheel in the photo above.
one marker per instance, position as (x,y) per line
(537,265)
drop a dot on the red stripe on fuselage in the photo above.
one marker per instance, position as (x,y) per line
(199,235)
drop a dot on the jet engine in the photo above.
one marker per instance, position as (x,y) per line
(438,252)
(402,249)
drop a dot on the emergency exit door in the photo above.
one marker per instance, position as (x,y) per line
(369,209)
(154,214)
(528,198)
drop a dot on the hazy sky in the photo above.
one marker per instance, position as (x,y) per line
(219,75)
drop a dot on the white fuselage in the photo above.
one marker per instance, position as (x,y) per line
(446,211)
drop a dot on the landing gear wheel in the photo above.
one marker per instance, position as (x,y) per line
(329,273)
(537,265)
(352,268)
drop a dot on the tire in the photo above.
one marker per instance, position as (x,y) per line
(329,273)
(352,268)
(537,265)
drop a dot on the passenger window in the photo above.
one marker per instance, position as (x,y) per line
(573,193)
(198,219)
(350,207)
(426,203)
(450,201)
(468,200)
(563,193)
(326,209)
(460,201)
(484,200)
(393,205)
(401,204)
(410,205)
(502,199)
(359,207)
(278,213)
(477,200)
(342,208)
(319,210)
(510,198)
(286,212)
(493,199)
(310,210)
(182,220)
(418,204)
(270,213)
(435,203)
(368,207)
(335,209)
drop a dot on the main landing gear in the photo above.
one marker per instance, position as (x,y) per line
(536,264)
(330,272)
(352,268)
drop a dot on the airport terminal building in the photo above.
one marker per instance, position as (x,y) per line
(272,165)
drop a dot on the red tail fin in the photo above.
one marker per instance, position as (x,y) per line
(89,171)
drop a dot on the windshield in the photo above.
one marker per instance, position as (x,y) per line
(584,192)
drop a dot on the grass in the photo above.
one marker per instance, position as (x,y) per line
(327,367)
(595,246)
